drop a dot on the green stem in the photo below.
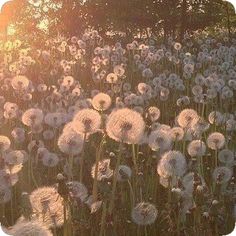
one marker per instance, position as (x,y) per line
(95,181)
(71,162)
(104,211)
(115,180)
(82,160)
(134,159)
(132,197)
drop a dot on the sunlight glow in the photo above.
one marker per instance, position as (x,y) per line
(2,2)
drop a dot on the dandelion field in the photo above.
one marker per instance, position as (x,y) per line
(123,138)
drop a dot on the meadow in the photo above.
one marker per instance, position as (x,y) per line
(122,138)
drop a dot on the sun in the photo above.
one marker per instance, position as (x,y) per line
(2,2)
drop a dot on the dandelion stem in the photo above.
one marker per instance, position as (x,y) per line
(115,180)
(104,209)
(134,159)
(132,197)
(95,182)
(32,174)
(71,161)
(82,160)
(145,229)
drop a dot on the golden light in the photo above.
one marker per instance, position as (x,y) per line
(2,2)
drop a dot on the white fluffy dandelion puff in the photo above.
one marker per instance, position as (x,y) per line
(70,143)
(101,101)
(125,125)
(104,171)
(4,143)
(160,140)
(32,117)
(187,118)
(196,148)
(87,121)
(216,141)
(172,163)
(48,206)
(20,82)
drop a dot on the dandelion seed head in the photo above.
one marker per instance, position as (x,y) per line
(153,113)
(20,82)
(172,163)
(4,143)
(78,190)
(48,206)
(55,119)
(5,194)
(144,213)
(50,159)
(160,139)
(226,156)
(222,174)
(15,157)
(215,117)
(124,173)
(125,125)
(196,148)
(104,171)
(87,121)
(70,143)
(187,118)
(216,141)
(32,117)
(112,78)
(101,102)
(177,133)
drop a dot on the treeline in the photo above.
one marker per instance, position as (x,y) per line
(133,17)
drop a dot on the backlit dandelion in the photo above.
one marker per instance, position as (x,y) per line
(32,117)
(187,118)
(104,170)
(196,148)
(153,113)
(87,121)
(101,101)
(4,143)
(48,206)
(177,133)
(160,140)
(70,143)
(20,82)
(172,164)
(216,141)
(125,125)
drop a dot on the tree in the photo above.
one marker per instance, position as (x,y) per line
(134,17)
